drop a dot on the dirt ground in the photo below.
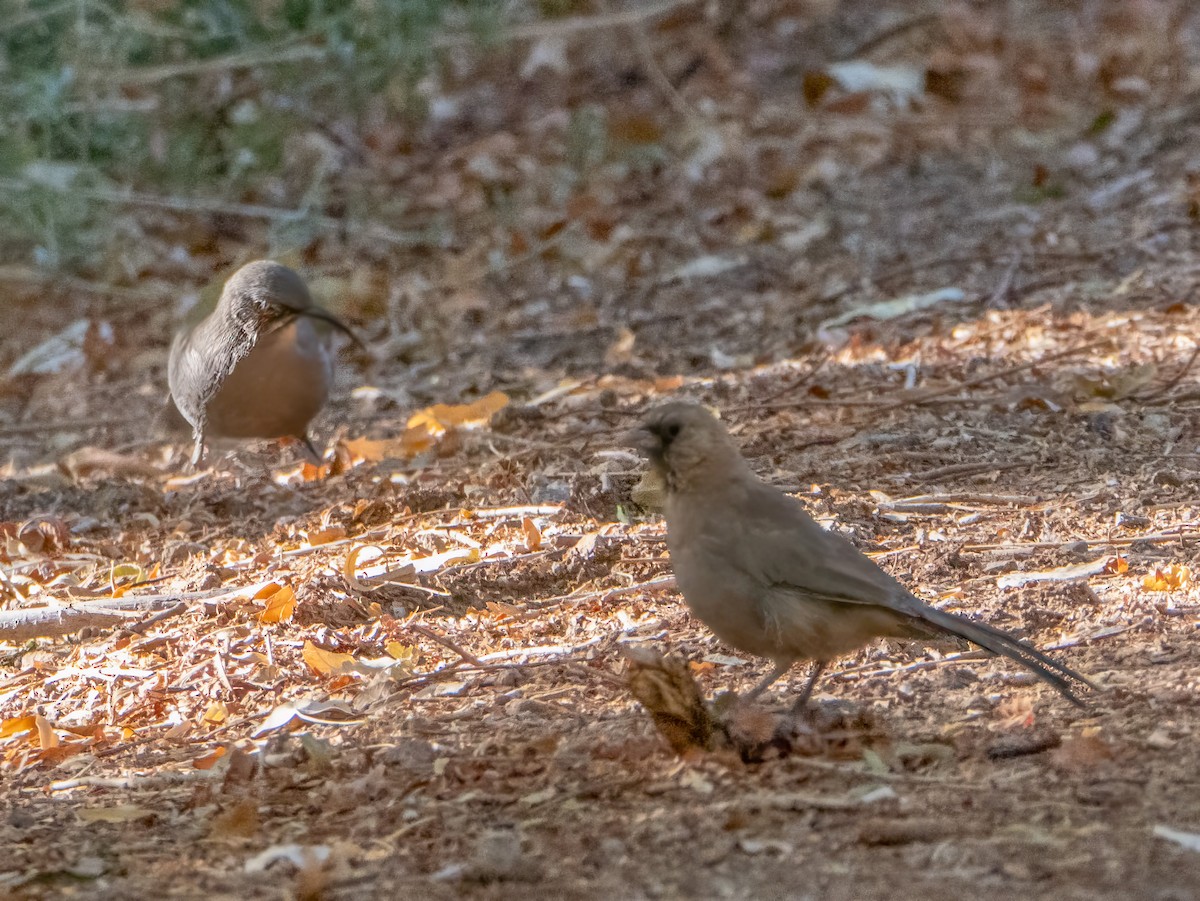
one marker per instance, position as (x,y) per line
(462,727)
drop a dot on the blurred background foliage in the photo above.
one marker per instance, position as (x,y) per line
(198,100)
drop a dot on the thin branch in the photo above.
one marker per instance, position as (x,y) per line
(306,53)
(889,34)
(445,642)
(937,393)
(419,238)
(664,583)
(1174,380)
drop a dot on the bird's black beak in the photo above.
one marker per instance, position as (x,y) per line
(647,440)
(326,316)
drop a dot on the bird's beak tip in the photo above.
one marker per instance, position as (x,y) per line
(643,439)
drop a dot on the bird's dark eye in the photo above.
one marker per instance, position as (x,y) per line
(671,431)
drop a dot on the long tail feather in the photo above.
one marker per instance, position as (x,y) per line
(1040,664)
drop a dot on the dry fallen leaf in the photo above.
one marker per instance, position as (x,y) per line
(18,725)
(46,737)
(239,821)
(1170,578)
(533,537)
(324,662)
(280,606)
(440,417)
(208,761)
(324,536)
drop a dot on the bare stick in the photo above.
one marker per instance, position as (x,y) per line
(445,642)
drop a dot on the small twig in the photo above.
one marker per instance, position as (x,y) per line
(984,379)
(664,583)
(444,642)
(1106,542)
(865,672)
(573,25)
(657,75)
(1000,294)
(27,275)
(800,382)
(962,497)
(1173,381)
(910,269)
(140,628)
(241,210)
(500,512)
(889,34)
(307,53)
(961,469)
(29,17)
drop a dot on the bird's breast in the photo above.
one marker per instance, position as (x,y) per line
(277,388)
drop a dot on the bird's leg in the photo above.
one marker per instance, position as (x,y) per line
(314,454)
(806,695)
(778,670)
(198,452)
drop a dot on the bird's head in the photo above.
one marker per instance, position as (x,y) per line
(262,294)
(687,445)
(265,295)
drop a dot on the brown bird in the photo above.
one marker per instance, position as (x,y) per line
(256,367)
(767,579)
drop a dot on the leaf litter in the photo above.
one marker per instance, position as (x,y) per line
(403,667)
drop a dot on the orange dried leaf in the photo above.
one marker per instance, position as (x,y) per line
(533,536)
(417,439)
(18,725)
(324,662)
(1171,578)
(280,607)
(499,609)
(216,714)
(324,536)
(311,472)
(367,449)
(208,761)
(337,683)
(266,591)
(239,821)
(399,651)
(444,416)
(46,737)
(1116,565)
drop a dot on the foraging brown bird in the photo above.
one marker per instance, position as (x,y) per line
(256,367)
(767,579)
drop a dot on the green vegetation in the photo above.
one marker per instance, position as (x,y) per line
(197,100)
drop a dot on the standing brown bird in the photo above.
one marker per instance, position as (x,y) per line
(256,367)
(768,580)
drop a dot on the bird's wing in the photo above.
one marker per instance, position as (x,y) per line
(200,361)
(786,546)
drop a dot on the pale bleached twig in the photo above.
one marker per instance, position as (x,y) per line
(664,583)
